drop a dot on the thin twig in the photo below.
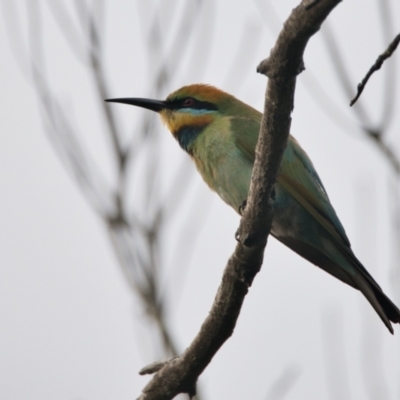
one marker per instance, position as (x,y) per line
(341,67)
(374,133)
(377,65)
(284,383)
(385,149)
(59,127)
(389,93)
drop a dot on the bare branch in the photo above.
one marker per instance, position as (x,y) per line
(341,67)
(103,93)
(285,382)
(152,368)
(68,29)
(363,116)
(389,94)
(385,149)
(377,65)
(60,128)
(285,62)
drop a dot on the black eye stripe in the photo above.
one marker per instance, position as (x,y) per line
(196,104)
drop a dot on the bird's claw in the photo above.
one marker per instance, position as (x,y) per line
(237,236)
(242,207)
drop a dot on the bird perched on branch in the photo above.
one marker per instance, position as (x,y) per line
(220,134)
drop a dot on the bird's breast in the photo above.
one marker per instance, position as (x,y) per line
(222,165)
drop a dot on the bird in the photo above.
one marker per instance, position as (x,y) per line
(220,133)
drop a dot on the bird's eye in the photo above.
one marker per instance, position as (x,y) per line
(188,102)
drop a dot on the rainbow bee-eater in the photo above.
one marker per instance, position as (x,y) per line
(220,133)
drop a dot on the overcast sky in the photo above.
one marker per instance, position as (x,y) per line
(70,326)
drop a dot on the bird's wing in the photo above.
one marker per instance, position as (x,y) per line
(302,182)
(297,176)
(300,179)
(245,134)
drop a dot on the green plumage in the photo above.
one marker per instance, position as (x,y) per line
(223,150)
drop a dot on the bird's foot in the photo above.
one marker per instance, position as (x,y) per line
(237,236)
(242,207)
(241,210)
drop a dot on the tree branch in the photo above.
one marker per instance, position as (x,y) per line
(285,62)
(377,65)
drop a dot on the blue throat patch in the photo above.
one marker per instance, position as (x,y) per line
(187,134)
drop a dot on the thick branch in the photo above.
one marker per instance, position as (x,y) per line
(285,62)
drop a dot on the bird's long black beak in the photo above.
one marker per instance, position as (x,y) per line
(154,105)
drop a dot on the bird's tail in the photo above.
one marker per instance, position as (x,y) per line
(386,309)
(359,278)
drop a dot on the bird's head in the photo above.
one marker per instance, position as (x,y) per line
(190,109)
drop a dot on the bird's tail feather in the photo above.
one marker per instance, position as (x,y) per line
(386,309)
(376,301)
(360,279)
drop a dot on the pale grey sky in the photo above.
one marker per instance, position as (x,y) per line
(70,328)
